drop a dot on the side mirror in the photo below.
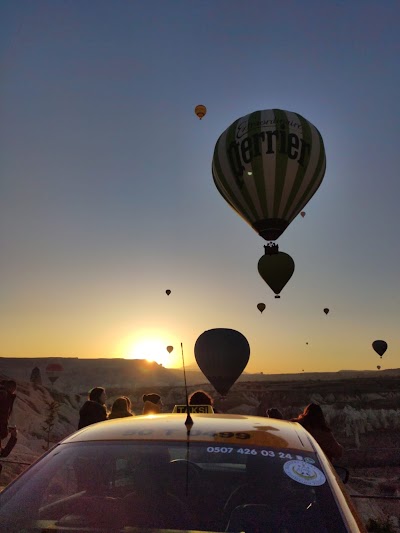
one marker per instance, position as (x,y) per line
(343,473)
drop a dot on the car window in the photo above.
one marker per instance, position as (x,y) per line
(206,487)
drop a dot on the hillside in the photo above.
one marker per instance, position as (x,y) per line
(80,375)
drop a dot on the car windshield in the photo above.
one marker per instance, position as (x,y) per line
(130,486)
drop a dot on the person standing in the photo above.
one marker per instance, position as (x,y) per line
(312,419)
(152,404)
(94,409)
(12,441)
(7,399)
(121,408)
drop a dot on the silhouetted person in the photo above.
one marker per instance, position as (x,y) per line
(94,409)
(313,420)
(7,399)
(12,441)
(274,413)
(200,397)
(121,408)
(152,404)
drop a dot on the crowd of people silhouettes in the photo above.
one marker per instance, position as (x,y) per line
(95,410)
(312,418)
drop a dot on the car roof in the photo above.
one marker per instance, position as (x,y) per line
(216,428)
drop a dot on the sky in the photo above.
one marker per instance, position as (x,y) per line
(107,198)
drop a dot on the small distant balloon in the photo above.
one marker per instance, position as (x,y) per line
(307,343)
(378,367)
(168,292)
(303,214)
(200,111)
(169,349)
(326,310)
(53,371)
(380,347)
(261,307)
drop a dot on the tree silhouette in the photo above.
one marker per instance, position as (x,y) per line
(51,412)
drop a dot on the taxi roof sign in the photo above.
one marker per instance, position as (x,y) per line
(194,409)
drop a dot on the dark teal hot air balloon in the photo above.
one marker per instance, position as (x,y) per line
(222,354)
(380,347)
(276,268)
(267,165)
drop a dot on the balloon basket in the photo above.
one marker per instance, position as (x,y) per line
(277,296)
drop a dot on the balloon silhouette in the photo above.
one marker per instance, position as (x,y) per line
(169,349)
(53,371)
(380,347)
(276,268)
(168,292)
(303,214)
(267,165)
(261,307)
(222,354)
(200,111)
(326,310)
(378,367)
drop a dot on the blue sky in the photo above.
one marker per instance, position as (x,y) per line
(107,198)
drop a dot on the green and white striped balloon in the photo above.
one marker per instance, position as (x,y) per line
(268,165)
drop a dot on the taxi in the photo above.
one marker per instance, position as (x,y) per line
(155,473)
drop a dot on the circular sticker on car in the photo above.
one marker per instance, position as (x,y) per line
(304,473)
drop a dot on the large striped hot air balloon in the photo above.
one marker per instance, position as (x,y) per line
(268,165)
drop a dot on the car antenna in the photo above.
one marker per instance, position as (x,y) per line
(188,423)
(189,420)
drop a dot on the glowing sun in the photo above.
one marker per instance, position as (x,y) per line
(151,350)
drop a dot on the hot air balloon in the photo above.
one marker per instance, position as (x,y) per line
(380,347)
(169,349)
(168,292)
(276,268)
(222,354)
(378,367)
(53,371)
(200,111)
(267,165)
(261,307)
(326,310)
(303,214)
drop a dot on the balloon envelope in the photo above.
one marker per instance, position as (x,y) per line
(380,347)
(303,214)
(169,349)
(275,268)
(168,292)
(53,371)
(267,165)
(200,111)
(378,367)
(222,354)
(326,310)
(261,307)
